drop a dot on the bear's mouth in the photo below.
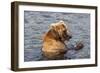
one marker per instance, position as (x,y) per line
(67,37)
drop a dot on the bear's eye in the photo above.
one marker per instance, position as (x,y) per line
(64,30)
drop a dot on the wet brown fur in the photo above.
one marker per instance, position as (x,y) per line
(53,41)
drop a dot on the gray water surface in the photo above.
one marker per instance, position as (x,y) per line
(37,23)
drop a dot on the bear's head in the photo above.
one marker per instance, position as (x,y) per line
(61,30)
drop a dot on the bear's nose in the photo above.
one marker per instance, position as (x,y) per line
(70,36)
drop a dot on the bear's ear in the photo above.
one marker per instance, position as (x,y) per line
(61,22)
(52,26)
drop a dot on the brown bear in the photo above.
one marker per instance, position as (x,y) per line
(54,47)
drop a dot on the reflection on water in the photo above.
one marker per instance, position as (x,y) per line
(37,23)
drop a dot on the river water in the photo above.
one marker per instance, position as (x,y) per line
(37,23)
